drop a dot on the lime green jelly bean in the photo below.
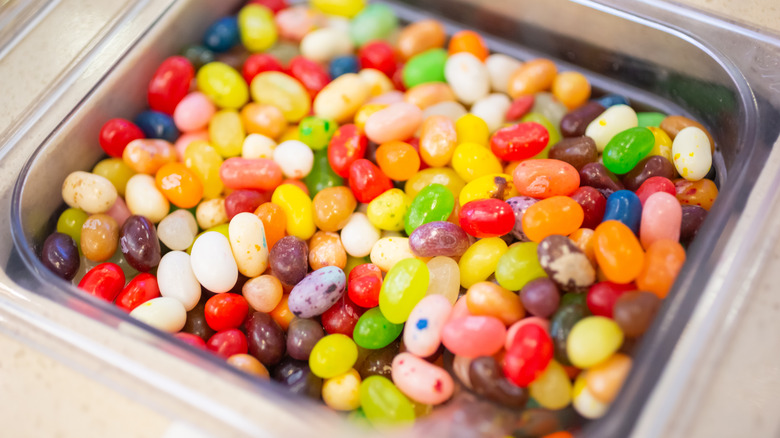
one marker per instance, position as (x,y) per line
(223,85)
(375,22)
(433,203)
(387,210)
(518,266)
(316,132)
(373,331)
(627,148)
(403,288)
(426,67)
(650,119)
(333,355)
(383,403)
(116,171)
(70,223)
(257,28)
(593,340)
(480,260)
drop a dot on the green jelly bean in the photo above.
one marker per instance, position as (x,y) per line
(561,324)
(518,266)
(375,22)
(403,288)
(116,171)
(70,223)
(373,331)
(383,403)
(573,298)
(322,175)
(316,132)
(333,355)
(650,119)
(555,133)
(433,203)
(425,67)
(627,148)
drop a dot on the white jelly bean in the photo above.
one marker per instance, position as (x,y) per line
(143,198)
(422,332)
(247,240)
(467,76)
(295,158)
(211,213)
(258,146)
(177,231)
(421,381)
(89,192)
(322,45)
(213,263)
(615,119)
(359,235)
(341,98)
(163,313)
(500,67)
(176,279)
(492,109)
(388,251)
(692,153)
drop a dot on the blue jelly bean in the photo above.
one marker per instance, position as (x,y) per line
(624,206)
(343,65)
(156,124)
(223,35)
(612,99)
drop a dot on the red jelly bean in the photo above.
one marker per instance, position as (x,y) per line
(346,146)
(312,75)
(378,55)
(228,342)
(545,178)
(226,311)
(365,282)
(170,83)
(258,63)
(367,181)
(189,338)
(520,107)
(245,201)
(528,356)
(593,205)
(116,134)
(274,5)
(398,77)
(250,173)
(487,218)
(140,290)
(341,317)
(602,296)
(104,281)
(652,185)
(520,141)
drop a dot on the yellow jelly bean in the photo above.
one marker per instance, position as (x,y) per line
(495,185)
(226,133)
(593,340)
(378,82)
(663,143)
(340,99)
(345,8)
(282,91)
(552,390)
(332,356)
(387,210)
(204,161)
(297,209)
(342,392)
(472,161)
(116,171)
(257,28)
(472,129)
(480,260)
(223,85)
(388,251)
(437,175)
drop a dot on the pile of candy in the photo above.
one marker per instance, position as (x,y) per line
(373,219)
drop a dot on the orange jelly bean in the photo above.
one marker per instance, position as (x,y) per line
(618,252)
(489,299)
(702,192)
(438,139)
(398,160)
(179,185)
(545,178)
(428,94)
(469,41)
(333,207)
(282,314)
(419,37)
(571,89)
(274,220)
(662,263)
(556,215)
(532,77)
(147,155)
(583,238)
(263,119)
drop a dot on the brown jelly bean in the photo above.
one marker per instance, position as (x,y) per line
(649,167)
(196,319)
(488,380)
(61,256)
(379,362)
(540,297)
(139,243)
(265,338)
(597,176)
(634,312)
(672,125)
(575,122)
(289,260)
(692,218)
(565,263)
(99,237)
(577,151)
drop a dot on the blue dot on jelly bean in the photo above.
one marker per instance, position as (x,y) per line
(222,35)
(422,324)
(156,124)
(343,65)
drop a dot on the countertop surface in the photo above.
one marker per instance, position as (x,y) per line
(43,397)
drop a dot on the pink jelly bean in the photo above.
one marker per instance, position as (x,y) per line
(421,381)
(398,121)
(185,140)
(661,219)
(422,332)
(653,185)
(119,211)
(388,98)
(295,22)
(460,309)
(193,112)
(512,331)
(474,336)
(250,173)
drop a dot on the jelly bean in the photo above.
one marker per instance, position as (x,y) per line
(634,312)
(265,338)
(289,260)
(424,67)
(365,282)
(375,22)
(333,207)
(227,343)
(565,263)
(179,185)
(139,290)
(226,133)
(297,207)
(282,314)
(554,215)
(387,211)
(532,77)
(433,203)
(383,403)
(346,146)
(282,91)
(196,322)
(326,250)
(661,219)
(421,381)
(297,378)
(358,236)
(552,390)
(373,330)
(489,299)
(593,205)
(468,41)
(444,176)
(429,94)
(624,206)
(474,336)
(619,254)
(555,135)
(198,55)
(316,132)
(139,243)
(157,125)
(571,88)
(148,155)
(247,240)
(398,121)
(540,297)
(692,218)
(170,84)
(223,85)
(302,336)
(367,181)
(605,379)
(258,63)
(99,237)
(592,340)
(602,296)
(545,178)
(61,255)
(398,160)
(480,260)
(89,192)
(652,166)
(691,153)
(294,158)
(472,161)
(468,77)
(342,392)
(317,292)
(205,162)
(333,355)
(322,175)
(472,129)
(104,281)
(249,365)
(212,262)
(116,171)
(378,84)
(222,35)
(518,265)
(244,201)
(116,134)
(663,262)
(438,238)
(575,123)
(492,109)
(583,401)
(226,311)
(487,379)
(700,193)
(177,230)
(528,356)
(211,213)
(487,218)
(444,278)
(663,144)
(193,112)
(404,286)
(673,125)
(262,293)
(597,176)
(561,324)
(626,148)
(257,146)
(422,333)
(177,280)
(519,205)
(500,67)
(340,100)
(323,45)
(262,119)
(521,106)
(162,313)
(577,151)
(275,6)
(614,120)
(256,28)
(311,74)
(519,141)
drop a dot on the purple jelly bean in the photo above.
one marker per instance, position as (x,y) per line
(438,238)
(317,292)
(519,205)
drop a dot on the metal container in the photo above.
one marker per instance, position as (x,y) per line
(692,64)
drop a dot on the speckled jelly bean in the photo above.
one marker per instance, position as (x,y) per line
(422,332)
(624,206)
(213,263)
(317,292)
(673,125)
(89,192)
(373,331)
(387,211)
(474,336)
(565,263)
(691,153)
(421,381)
(614,120)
